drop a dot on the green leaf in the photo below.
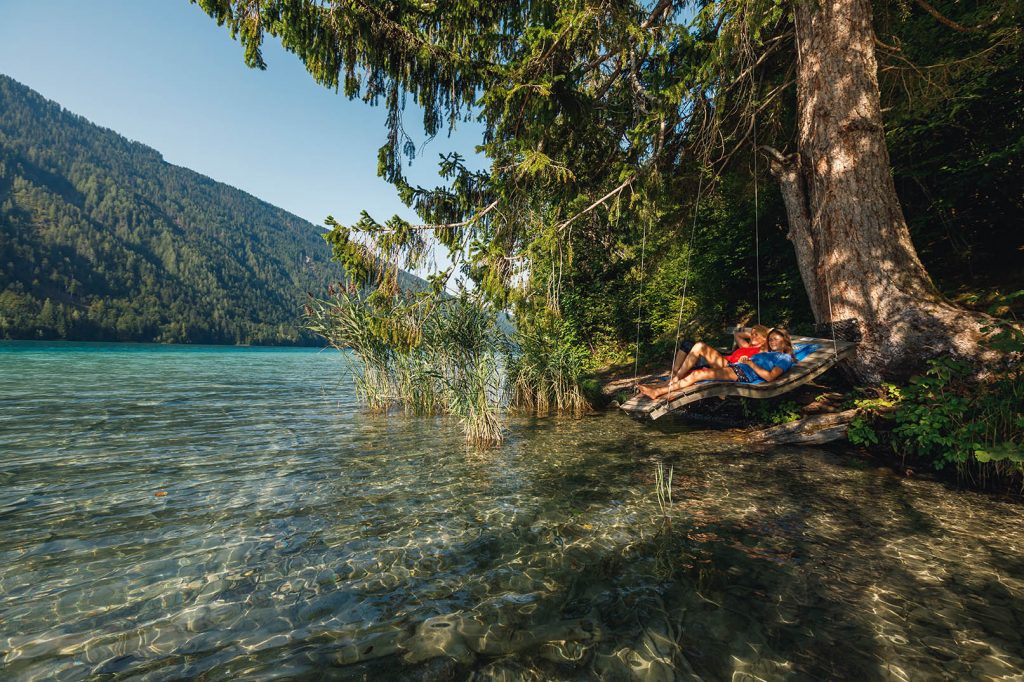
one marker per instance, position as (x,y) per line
(1011,452)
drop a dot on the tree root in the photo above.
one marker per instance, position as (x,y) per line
(815,430)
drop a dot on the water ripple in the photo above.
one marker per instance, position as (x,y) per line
(170,513)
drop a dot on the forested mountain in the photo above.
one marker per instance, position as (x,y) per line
(101,239)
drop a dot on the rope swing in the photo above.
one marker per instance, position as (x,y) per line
(639,307)
(757,232)
(689,252)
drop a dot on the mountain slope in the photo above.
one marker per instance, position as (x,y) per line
(101,239)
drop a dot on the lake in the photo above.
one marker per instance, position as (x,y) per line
(224,513)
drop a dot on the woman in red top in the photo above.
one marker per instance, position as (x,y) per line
(747,345)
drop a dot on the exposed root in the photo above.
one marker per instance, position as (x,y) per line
(816,430)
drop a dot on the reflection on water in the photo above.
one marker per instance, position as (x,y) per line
(299,537)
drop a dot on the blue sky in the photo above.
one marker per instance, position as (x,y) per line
(163,73)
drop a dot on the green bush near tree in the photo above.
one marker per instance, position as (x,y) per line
(954,415)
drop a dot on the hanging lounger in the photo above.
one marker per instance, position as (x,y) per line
(814,357)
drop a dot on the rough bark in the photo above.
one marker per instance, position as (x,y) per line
(846,223)
(816,430)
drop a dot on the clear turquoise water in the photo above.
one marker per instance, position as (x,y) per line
(301,538)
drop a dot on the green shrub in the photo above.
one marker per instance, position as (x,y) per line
(770,411)
(861,432)
(948,416)
(862,428)
(545,366)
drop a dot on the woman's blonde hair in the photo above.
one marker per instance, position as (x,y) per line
(762,331)
(787,343)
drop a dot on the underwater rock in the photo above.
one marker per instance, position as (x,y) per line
(439,636)
(369,648)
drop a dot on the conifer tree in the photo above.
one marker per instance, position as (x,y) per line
(594,110)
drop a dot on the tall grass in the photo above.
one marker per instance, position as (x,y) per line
(663,489)
(348,320)
(420,354)
(463,343)
(448,356)
(544,371)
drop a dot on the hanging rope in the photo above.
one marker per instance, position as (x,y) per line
(757,232)
(828,280)
(686,277)
(640,306)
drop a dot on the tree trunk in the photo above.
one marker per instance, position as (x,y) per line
(852,242)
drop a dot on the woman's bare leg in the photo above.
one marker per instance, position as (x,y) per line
(725,373)
(683,364)
(702,374)
(677,361)
(699,351)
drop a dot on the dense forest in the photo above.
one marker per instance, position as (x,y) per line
(101,239)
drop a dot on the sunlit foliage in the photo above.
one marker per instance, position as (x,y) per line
(602,120)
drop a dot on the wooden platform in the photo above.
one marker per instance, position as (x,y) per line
(823,358)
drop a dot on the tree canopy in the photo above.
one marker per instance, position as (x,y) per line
(604,120)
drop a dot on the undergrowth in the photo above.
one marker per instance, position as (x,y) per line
(770,411)
(949,416)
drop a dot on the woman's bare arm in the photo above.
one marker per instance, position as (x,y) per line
(767,375)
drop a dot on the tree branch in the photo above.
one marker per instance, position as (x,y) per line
(603,90)
(889,48)
(656,12)
(660,9)
(468,221)
(606,197)
(776,156)
(943,20)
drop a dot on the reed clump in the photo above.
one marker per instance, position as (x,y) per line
(462,343)
(447,355)
(418,353)
(545,368)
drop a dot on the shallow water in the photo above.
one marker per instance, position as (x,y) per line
(299,537)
